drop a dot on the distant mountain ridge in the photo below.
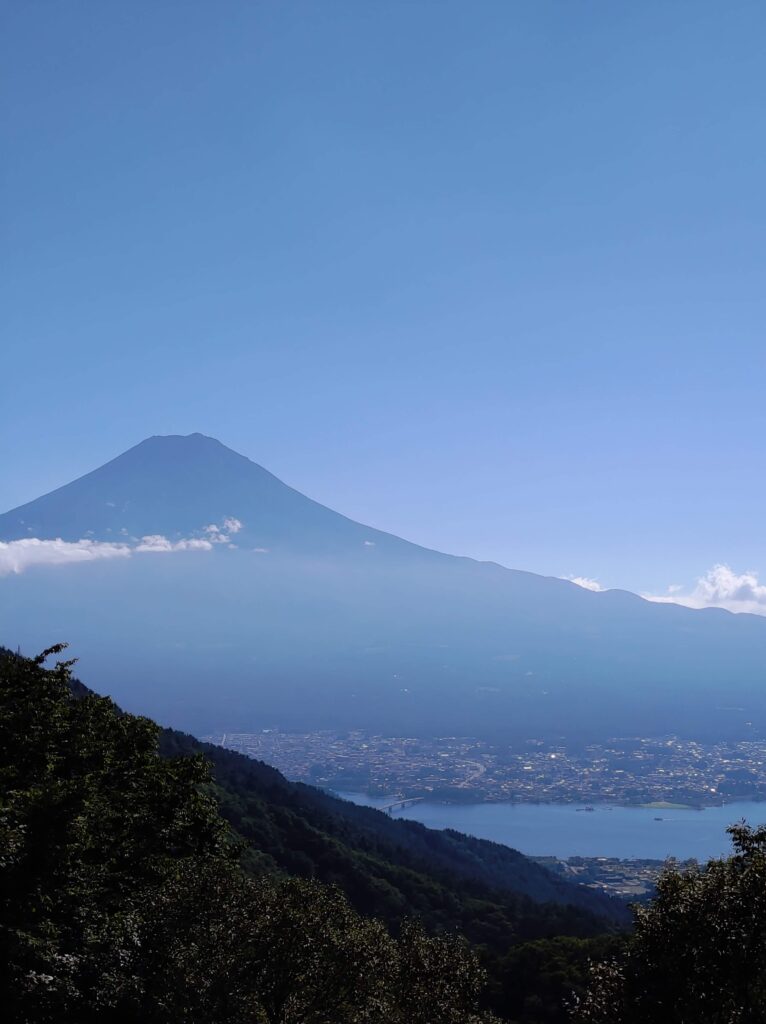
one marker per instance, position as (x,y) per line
(306,619)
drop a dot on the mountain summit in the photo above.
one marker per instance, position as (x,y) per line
(176,486)
(271,609)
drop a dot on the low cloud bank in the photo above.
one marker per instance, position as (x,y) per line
(720,587)
(18,555)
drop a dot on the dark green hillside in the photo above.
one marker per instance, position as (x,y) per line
(97,830)
(389,868)
(122,899)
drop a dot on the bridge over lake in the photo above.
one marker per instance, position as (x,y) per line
(399,805)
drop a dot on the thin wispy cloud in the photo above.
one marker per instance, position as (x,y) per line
(586,583)
(156,542)
(719,587)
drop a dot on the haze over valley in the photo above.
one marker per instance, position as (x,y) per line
(202,590)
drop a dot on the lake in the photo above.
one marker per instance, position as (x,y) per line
(607,831)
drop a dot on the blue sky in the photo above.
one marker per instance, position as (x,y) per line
(487,275)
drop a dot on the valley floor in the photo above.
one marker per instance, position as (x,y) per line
(664,773)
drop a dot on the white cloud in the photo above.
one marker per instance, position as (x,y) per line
(222,534)
(720,587)
(18,555)
(369,543)
(156,542)
(586,583)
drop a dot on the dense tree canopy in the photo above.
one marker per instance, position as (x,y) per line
(122,897)
(698,953)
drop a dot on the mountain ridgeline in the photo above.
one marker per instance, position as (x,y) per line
(295,616)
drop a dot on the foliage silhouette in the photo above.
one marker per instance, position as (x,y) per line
(122,897)
(698,953)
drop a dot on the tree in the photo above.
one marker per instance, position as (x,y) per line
(122,896)
(698,953)
(92,822)
(433,981)
(540,978)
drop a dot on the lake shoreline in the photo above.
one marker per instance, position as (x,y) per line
(567,830)
(659,805)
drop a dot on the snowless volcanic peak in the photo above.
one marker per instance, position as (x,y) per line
(177,486)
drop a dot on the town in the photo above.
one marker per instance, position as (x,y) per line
(625,771)
(631,879)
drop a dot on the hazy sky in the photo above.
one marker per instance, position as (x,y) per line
(489,275)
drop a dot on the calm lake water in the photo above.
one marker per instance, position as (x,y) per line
(607,831)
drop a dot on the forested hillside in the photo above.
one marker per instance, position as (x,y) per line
(390,867)
(119,870)
(122,897)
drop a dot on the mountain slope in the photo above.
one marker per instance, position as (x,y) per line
(176,486)
(390,867)
(305,619)
(123,895)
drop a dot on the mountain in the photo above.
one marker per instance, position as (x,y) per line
(252,606)
(176,486)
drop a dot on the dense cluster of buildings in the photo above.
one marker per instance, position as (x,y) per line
(632,879)
(635,770)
